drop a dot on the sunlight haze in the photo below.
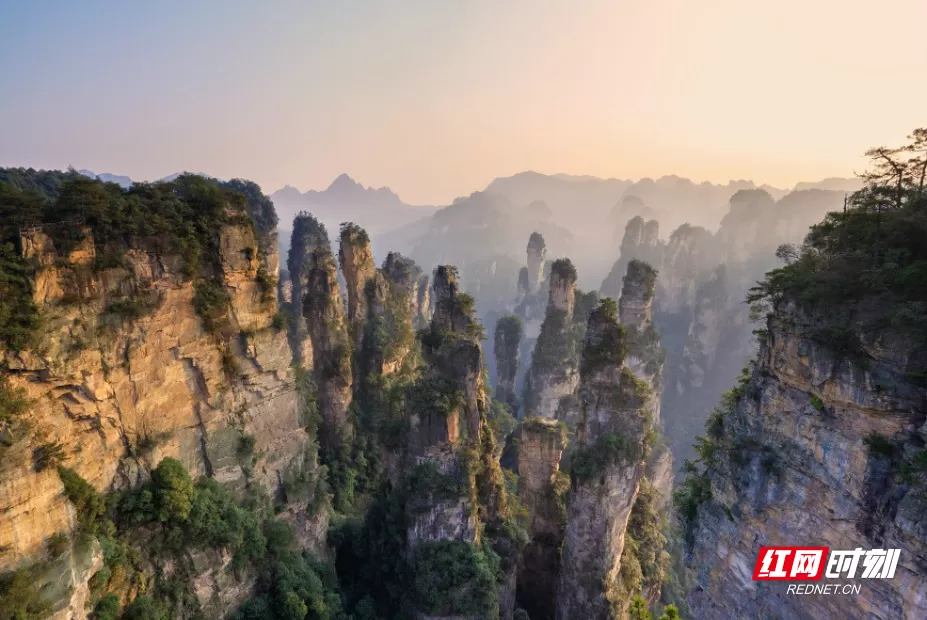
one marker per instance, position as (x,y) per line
(435,99)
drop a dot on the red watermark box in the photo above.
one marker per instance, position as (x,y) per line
(790,563)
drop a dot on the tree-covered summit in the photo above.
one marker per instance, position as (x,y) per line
(864,269)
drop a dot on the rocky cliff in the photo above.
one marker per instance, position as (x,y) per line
(323,311)
(640,241)
(808,451)
(537,252)
(821,442)
(460,508)
(308,235)
(506,346)
(137,361)
(553,374)
(410,278)
(357,267)
(702,280)
(541,489)
(606,467)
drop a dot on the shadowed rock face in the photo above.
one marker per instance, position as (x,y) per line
(452,452)
(506,346)
(606,472)
(688,253)
(798,462)
(308,235)
(323,310)
(541,490)
(537,252)
(523,287)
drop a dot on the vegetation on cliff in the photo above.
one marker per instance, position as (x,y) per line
(506,343)
(178,217)
(177,517)
(864,270)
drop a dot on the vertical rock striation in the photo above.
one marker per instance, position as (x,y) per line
(143,361)
(541,490)
(323,310)
(607,464)
(308,235)
(410,278)
(809,450)
(458,506)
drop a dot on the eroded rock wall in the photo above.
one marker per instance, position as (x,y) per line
(799,464)
(125,373)
(607,464)
(553,374)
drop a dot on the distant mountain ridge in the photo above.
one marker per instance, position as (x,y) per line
(343,189)
(345,200)
(125,181)
(121,180)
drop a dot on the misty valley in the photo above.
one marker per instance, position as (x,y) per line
(559,397)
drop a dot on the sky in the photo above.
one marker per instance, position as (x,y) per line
(435,98)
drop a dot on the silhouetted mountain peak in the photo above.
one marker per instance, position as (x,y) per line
(344,183)
(107,177)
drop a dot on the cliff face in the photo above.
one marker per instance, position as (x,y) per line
(531,306)
(606,470)
(688,254)
(323,311)
(810,451)
(553,374)
(537,252)
(702,280)
(506,346)
(410,278)
(459,504)
(308,236)
(127,372)
(541,489)
(358,268)
(641,241)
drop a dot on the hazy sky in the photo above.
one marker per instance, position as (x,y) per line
(435,98)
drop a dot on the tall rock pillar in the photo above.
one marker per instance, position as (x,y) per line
(606,466)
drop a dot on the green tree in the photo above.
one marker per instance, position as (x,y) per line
(173,490)
(638,609)
(107,608)
(670,613)
(146,608)
(19,596)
